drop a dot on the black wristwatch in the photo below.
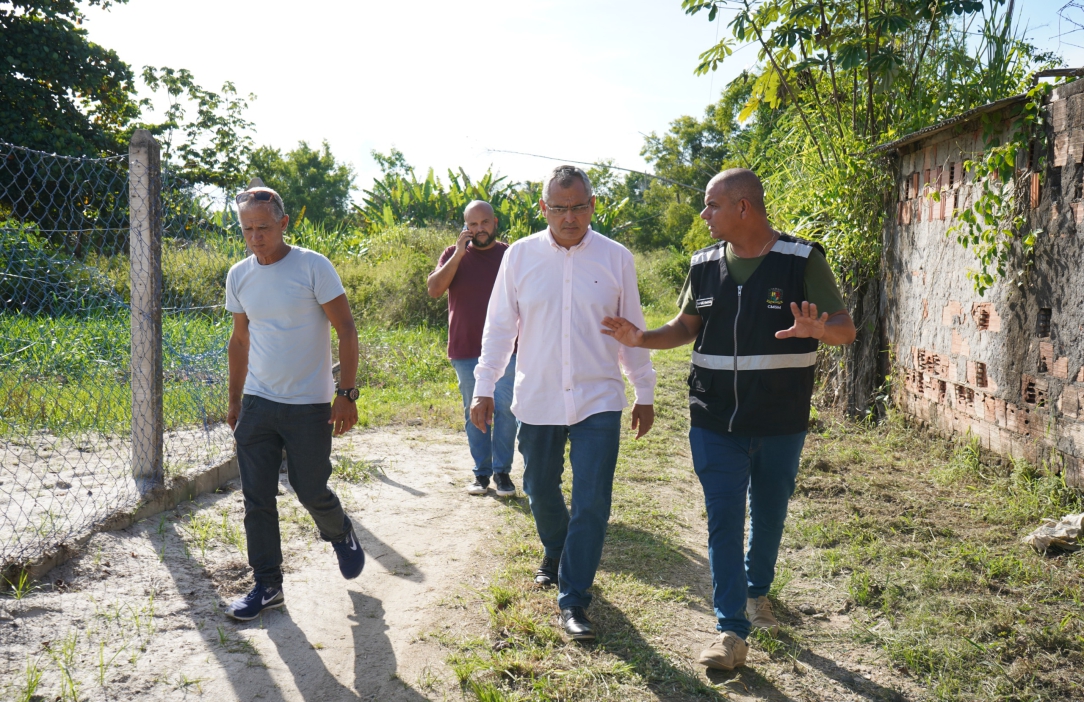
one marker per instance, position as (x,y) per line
(349,393)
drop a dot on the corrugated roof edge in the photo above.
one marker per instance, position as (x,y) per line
(951,121)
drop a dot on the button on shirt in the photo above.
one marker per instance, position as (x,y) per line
(554,299)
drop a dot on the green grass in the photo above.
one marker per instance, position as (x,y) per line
(70,376)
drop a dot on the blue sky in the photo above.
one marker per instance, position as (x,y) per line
(448,83)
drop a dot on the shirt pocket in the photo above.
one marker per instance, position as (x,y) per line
(700,381)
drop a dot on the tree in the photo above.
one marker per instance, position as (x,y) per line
(60,92)
(216,144)
(307,179)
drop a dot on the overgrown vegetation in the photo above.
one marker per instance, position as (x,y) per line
(833,80)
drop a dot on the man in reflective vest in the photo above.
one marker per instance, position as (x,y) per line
(757,304)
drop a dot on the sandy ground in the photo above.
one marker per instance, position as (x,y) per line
(138,615)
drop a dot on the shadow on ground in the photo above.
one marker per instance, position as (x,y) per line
(248,670)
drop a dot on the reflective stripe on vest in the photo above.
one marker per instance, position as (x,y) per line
(753,363)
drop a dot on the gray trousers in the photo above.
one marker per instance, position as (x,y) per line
(263,429)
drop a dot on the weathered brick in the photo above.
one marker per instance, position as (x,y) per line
(950,312)
(960,345)
(1060,369)
(1058,113)
(1046,356)
(1061,149)
(1071,402)
(985,316)
(1018,419)
(1076,145)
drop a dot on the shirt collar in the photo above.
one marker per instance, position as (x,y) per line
(582,245)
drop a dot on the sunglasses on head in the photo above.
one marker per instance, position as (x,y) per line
(257,195)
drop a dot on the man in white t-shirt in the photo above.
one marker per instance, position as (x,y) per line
(284,301)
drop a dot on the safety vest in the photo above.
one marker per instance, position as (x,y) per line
(744,380)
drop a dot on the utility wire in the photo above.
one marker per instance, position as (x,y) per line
(596,165)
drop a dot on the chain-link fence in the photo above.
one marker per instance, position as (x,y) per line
(112,338)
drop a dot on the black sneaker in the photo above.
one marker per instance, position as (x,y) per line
(348,550)
(546,575)
(480,486)
(505,486)
(249,607)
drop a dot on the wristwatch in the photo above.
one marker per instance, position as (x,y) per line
(349,393)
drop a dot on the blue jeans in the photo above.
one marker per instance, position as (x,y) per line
(733,469)
(263,429)
(576,540)
(492,451)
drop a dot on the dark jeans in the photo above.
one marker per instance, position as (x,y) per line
(575,540)
(263,429)
(733,470)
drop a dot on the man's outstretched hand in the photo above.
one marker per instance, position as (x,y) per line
(625,332)
(481,413)
(807,325)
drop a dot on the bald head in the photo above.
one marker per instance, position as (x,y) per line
(480,219)
(737,184)
(477,208)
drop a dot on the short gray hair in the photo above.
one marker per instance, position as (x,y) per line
(278,210)
(565,176)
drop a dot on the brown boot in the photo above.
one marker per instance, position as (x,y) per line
(726,653)
(760,615)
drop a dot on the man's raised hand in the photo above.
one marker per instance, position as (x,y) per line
(461,243)
(623,330)
(807,325)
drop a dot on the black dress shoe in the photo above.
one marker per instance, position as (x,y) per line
(546,575)
(577,625)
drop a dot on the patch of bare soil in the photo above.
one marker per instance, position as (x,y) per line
(139,614)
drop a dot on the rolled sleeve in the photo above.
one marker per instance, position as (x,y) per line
(635,362)
(500,331)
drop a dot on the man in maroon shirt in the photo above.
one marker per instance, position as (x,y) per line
(467,271)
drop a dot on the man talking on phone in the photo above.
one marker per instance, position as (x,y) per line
(467,271)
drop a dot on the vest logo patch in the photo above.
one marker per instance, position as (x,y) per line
(704,302)
(775,298)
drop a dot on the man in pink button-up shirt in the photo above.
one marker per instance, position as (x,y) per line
(552,291)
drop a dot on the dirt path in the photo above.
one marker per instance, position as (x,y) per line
(139,614)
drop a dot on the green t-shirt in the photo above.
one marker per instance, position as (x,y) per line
(820,282)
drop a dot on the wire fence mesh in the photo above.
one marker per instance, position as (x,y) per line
(68,271)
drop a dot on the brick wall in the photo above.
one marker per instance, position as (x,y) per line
(1006,366)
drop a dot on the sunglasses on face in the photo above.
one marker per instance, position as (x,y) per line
(258,196)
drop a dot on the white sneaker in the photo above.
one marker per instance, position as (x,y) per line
(760,615)
(480,486)
(726,653)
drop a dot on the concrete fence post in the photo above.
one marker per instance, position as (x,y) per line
(145,220)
